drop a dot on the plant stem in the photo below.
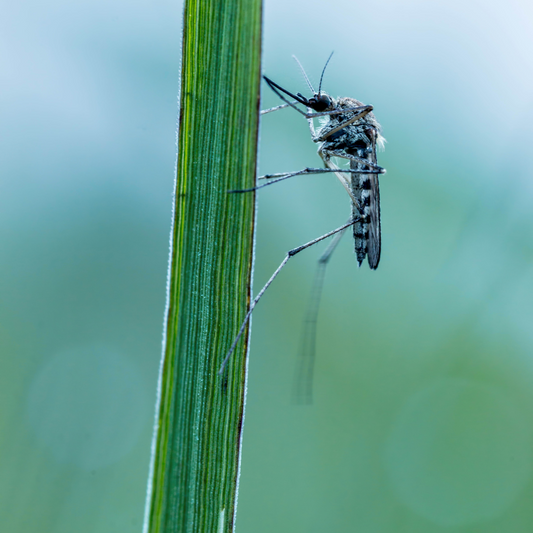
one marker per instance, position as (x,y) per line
(196,448)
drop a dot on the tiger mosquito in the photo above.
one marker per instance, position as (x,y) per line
(349,130)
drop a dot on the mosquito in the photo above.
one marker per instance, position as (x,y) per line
(348,131)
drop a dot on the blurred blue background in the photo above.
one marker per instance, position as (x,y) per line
(423,411)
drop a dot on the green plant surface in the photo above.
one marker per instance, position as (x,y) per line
(196,448)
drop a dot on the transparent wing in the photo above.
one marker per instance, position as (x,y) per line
(302,393)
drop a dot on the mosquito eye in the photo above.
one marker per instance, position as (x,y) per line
(319,102)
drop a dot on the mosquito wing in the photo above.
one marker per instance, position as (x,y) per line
(303,382)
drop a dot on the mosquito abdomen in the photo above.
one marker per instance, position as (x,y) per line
(361,191)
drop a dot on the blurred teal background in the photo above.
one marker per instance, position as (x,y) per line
(423,412)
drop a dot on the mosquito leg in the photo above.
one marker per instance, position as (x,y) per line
(282,106)
(286,175)
(290,254)
(311,126)
(360,111)
(303,381)
(345,182)
(342,154)
(341,126)
(326,156)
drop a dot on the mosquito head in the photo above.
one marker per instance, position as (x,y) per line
(319,102)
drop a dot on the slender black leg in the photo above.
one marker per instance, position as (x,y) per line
(290,254)
(272,109)
(281,176)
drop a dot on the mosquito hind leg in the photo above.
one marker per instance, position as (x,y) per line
(254,302)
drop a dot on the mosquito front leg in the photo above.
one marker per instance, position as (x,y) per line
(282,106)
(290,254)
(311,125)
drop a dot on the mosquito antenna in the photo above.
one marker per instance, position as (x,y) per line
(305,75)
(323,70)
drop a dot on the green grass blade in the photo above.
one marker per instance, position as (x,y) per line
(196,448)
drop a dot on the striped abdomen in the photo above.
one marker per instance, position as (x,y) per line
(367,231)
